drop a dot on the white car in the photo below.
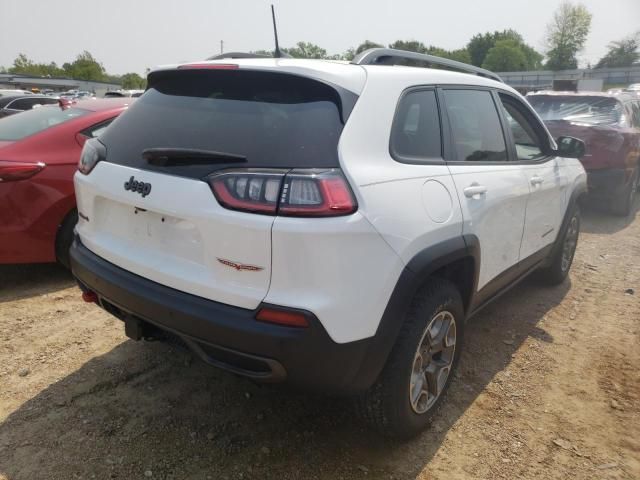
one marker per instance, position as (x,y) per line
(13,93)
(329,224)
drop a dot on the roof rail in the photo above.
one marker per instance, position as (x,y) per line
(391,56)
(232,55)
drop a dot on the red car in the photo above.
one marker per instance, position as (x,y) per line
(39,152)
(609,124)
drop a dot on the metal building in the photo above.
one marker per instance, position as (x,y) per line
(26,82)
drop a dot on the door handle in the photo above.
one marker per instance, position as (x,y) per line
(474,190)
(536,180)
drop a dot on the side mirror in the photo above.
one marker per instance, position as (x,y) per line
(570,147)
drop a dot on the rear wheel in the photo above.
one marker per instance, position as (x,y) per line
(65,238)
(419,369)
(622,204)
(562,259)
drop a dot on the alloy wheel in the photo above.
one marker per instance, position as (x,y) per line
(432,362)
(570,242)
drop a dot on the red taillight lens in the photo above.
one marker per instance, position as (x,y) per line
(13,171)
(287,318)
(248,190)
(317,194)
(301,192)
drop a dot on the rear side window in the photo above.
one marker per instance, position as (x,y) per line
(270,119)
(415,135)
(475,126)
(17,127)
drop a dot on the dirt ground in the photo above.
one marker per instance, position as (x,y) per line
(548,387)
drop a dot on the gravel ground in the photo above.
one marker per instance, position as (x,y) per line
(548,387)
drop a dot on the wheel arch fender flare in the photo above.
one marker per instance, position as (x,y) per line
(416,272)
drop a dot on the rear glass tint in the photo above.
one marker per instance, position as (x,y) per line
(577,109)
(415,135)
(21,125)
(271,119)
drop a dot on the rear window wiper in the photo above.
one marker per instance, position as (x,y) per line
(167,157)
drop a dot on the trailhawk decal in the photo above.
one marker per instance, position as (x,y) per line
(240,266)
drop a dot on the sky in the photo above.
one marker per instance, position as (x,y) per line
(132,35)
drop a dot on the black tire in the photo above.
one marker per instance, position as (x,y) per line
(387,405)
(563,252)
(65,238)
(622,204)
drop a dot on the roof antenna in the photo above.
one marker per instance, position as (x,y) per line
(277,53)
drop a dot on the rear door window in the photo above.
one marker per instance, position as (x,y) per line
(475,126)
(415,135)
(270,119)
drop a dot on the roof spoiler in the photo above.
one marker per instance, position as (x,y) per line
(391,56)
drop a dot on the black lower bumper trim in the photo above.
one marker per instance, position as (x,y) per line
(229,337)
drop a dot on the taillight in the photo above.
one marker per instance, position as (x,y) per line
(248,190)
(13,171)
(299,192)
(92,152)
(316,193)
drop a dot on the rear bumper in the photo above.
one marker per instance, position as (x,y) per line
(606,183)
(229,337)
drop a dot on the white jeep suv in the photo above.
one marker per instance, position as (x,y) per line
(329,224)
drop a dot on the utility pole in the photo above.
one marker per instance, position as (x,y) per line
(221,46)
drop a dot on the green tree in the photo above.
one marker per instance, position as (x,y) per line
(480,44)
(366,45)
(25,66)
(566,35)
(534,58)
(460,55)
(622,53)
(505,56)
(133,81)
(306,50)
(85,67)
(409,45)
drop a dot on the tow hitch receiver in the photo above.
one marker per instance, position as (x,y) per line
(133,328)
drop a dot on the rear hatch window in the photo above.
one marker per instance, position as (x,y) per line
(243,118)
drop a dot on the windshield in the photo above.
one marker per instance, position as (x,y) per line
(577,109)
(21,125)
